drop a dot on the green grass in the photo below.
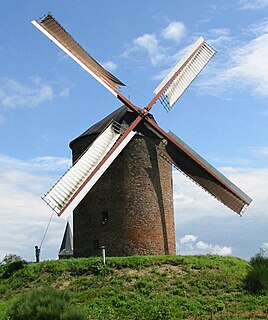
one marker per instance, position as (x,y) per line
(145,287)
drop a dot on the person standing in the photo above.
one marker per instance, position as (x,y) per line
(37,254)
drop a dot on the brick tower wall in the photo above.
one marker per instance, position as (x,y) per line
(130,209)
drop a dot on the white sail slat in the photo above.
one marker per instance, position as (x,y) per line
(71,205)
(60,195)
(184,73)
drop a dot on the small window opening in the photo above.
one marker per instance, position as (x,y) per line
(96,244)
(104,217)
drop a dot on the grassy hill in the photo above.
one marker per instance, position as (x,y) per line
(144,287)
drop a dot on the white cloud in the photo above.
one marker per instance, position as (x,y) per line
(253,181)
(39,163)
(205,217)
(220,32)
(31,93)
(212,7)
(149,43)
(213,249)
(174,31)
(259,28)
(109,65)
(154,44)
(188,244)
(16,94)
(250,64)
(244,66)
(24,216)
(221,39)
(64,93)
(188,238)
(253,4)
(50,163)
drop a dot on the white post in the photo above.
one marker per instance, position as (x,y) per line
(103,255)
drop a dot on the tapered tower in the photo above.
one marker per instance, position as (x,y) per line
(130,209)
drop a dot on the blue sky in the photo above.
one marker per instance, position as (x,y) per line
(46,100)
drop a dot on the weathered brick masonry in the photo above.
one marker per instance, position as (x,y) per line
(130,209)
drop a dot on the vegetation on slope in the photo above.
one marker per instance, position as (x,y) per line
(46,304)
(146,287)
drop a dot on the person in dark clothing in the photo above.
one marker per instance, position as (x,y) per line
(37,254)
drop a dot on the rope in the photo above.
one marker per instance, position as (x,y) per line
(46,230)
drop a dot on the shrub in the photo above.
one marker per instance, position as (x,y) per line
(10,264)
(99,269)
(48,304)
(256,281)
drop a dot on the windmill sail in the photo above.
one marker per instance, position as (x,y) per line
(55,32)
(182,75)
(67,193)
(207,177)
(201,172)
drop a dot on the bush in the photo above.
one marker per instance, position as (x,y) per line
(256,281)
(48,304)
(10,264)
(99,269)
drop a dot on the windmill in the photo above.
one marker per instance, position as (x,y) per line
(120,184)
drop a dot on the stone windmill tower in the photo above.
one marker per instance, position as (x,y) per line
(130,208)
(120,185)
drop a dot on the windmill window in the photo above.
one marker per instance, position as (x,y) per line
(96,244)
(104,217)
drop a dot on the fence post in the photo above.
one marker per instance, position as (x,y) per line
(103,256)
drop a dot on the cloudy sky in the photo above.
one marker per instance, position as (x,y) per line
(46,100)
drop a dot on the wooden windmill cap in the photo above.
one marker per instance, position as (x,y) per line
(122,115)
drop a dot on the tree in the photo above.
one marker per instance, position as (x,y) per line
(256,281)
(10,264)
